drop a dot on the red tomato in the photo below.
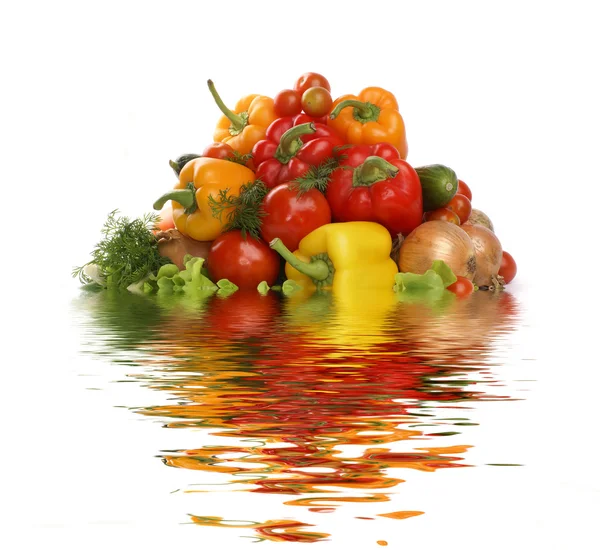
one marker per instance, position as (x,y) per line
(462,287)
(317,101)
(218,151)
(288,103)
(463,189)
(442,214)
(291,217)
(245,262)
(508,267)
(461,206)
(308,80)
(166,218)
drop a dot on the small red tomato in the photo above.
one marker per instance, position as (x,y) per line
(309,80)
(462,287)
(288,103)
(218,151)
(508,267)
(166,218)
(442,214)
(463,189)
(245,262)
(317,101)
(291,217)
(461,206)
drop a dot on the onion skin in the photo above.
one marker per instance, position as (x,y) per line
(438,240)
(488,253)
(174,245)
(478,217)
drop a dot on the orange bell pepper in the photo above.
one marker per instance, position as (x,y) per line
(199,180)
(246,124)
(369,118)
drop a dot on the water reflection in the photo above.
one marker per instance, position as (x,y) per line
(295,381)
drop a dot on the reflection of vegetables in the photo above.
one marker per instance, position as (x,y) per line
(438,240)
(488,253)
(243,261)
(175,246)
(439,184)
(479,217)
(351,255)
(246,124)
(508,267)
(369,118)
(199,180)
(370,188)
(127,253)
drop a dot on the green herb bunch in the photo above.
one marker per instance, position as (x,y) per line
(127,253)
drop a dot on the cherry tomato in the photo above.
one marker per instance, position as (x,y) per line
(245,262)
(291,217)
(309,80)
(442,214)
(166,218)
(317,101)
(461,206)
(218,151)
(288,103)
(462,287)
(463,189)
(508,267)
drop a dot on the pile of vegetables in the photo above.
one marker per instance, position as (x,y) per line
(304,191)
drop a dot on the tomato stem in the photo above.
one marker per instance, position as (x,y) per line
(238,120)
(320,268)
(290,142)
(363,110)
(186,197)
(373,170)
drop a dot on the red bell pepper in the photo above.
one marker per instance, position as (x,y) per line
(291,148)
(374,184)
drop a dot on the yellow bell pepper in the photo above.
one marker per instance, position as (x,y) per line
(200,179)
(345,257)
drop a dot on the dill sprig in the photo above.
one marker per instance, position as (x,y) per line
(127,252)
(244,211)
(317,177)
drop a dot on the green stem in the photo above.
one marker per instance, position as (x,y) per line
(186,197)
(319,270)
(290,142)
(363,111)
(373,170)
(238,120)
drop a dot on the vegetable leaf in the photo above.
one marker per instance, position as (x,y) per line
(411,281)
(317,177)
(444,271)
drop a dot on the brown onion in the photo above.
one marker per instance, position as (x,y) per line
(174,245)
(488,253)
(479,217)
(438,240)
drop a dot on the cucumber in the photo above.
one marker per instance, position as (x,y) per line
(181,161)
(438,183)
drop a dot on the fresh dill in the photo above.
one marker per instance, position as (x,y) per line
(243,211)
(317,177)
(127,252)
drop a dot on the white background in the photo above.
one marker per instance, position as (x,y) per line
(96,97)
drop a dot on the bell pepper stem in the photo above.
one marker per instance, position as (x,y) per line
(186,197)
(363,111)
(373,170)
(317,270)
(238,121)
(290,142)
